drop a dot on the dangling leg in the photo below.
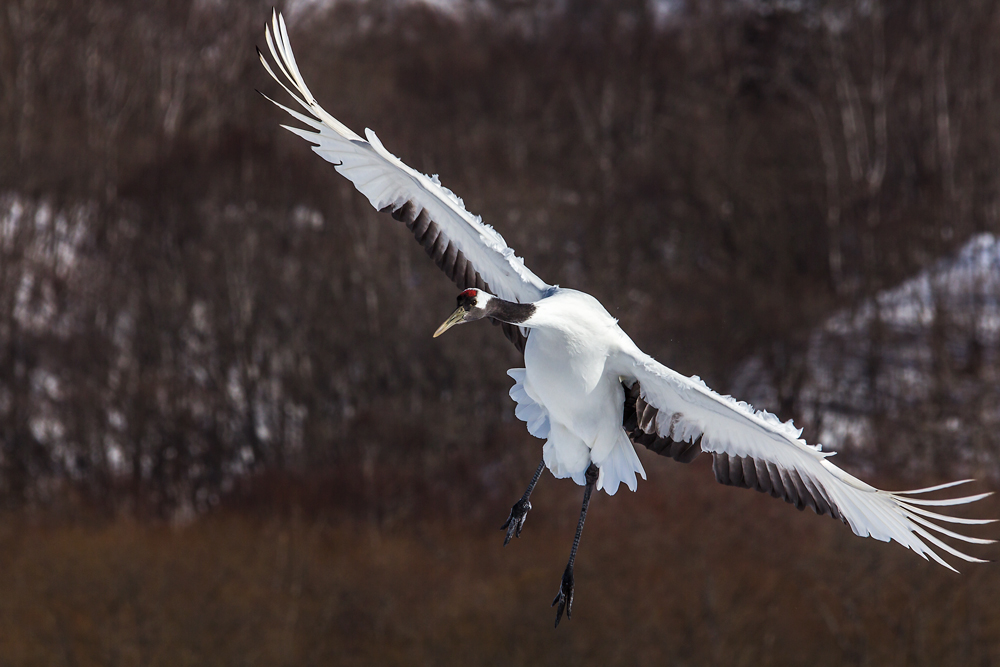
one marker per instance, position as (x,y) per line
(519,512)
(564,598)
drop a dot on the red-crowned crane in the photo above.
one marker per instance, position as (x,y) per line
(586,388)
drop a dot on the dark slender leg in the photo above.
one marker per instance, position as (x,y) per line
(519,512)
(564,598)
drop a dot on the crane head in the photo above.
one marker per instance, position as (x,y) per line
(472,306)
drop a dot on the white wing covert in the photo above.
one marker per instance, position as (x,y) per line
(680,417)
(471,253)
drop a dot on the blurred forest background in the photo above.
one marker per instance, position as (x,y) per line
(227,437)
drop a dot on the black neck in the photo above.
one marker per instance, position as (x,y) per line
(508,311)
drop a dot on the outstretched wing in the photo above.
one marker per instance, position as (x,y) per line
(681,417)
(471,253)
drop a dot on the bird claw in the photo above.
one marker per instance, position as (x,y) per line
(564,598)
(515,522)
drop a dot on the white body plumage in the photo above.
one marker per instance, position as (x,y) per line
(572,377)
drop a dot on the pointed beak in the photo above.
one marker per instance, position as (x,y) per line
(456,318)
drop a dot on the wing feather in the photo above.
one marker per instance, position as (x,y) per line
(471,253)
(753,449)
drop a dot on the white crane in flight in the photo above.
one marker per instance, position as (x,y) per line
(586,388)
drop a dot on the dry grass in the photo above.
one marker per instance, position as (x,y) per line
(684,572)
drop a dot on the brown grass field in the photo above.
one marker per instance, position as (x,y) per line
(684,572)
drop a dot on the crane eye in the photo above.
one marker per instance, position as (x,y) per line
(466,301)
